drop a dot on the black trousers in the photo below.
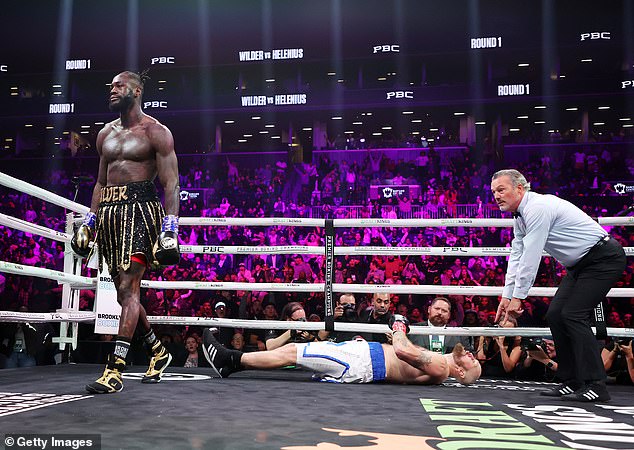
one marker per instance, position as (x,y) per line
(582,289)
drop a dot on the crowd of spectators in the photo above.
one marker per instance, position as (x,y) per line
(283,190)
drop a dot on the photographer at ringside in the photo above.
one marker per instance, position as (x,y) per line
(292,312)
(618,361)
(345,311)
(539,360)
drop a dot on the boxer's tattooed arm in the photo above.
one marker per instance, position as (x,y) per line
(424,358)
(400,339)
(410,353)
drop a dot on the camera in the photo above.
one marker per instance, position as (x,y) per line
(623,341)
(533,343)
(349,312)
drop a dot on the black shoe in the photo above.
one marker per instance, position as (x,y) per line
(223,361)
(567,387)
(161,358)
(111,380)
(593,392)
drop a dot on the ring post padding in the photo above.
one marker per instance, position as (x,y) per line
(329,276)
(599,319)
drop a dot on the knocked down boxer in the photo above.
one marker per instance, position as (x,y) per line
(352,361)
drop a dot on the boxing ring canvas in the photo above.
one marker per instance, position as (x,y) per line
(285,409)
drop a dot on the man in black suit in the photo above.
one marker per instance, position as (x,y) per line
(439,313)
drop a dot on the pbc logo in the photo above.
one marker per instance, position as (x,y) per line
(400,94)
(213,249)
(454,250)
(386,48)
(595,35)
(163,60)
(154,104)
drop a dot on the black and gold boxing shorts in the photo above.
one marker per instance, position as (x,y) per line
(128,223)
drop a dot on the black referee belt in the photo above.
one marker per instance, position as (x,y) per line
(604,240)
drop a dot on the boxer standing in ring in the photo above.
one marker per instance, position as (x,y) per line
(128,222)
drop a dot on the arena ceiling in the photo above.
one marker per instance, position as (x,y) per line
(259,72)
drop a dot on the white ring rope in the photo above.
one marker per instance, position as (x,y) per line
(616,221)
(371,223)
(414,223)
(368,250)
(252,221)
(77,281)
(345,223)
(431,289)
(83,317)
(33,228)
(59,316)
(35,191)
(250,250)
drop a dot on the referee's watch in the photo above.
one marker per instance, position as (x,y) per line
(550,364)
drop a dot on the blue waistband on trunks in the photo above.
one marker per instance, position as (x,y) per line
(378,361)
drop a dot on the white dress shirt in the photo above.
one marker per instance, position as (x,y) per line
(547,222)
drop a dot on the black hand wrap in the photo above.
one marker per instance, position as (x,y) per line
(399,323)
(166,251)
(80,243)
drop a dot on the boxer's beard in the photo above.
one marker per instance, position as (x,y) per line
(124,103)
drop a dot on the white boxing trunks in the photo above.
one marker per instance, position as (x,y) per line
(345,362)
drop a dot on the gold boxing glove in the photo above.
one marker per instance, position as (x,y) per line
(84,235)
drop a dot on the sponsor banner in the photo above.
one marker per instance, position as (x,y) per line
(622,188)
(484,425)
(390,192)
(107,310)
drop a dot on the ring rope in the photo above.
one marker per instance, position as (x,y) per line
(78,281)
(252,221)
(367,250)
(85,316)
(372,223)
(42,194)
(33,228)
(249,250)
(431,289)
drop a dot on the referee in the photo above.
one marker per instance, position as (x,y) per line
(593,261)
